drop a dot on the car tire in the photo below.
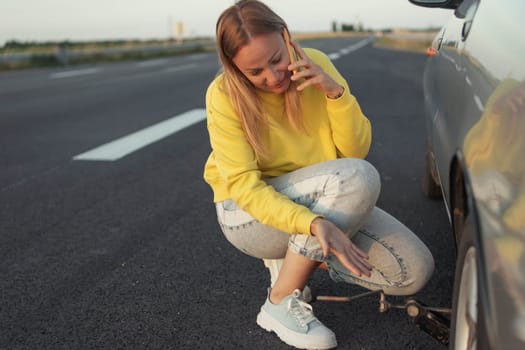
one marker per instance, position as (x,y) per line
(467,327)
(431,189)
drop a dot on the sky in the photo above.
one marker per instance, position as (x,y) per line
(82,20)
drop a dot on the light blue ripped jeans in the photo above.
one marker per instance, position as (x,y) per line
(345,192)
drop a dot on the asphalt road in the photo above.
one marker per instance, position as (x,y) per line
(127,254)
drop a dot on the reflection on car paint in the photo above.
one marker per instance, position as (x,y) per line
(494,152)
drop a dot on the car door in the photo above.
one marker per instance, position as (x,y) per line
(449,88)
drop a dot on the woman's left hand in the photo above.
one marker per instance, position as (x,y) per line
(309,73)
(333,240)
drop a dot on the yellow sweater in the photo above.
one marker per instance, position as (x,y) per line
(334,129)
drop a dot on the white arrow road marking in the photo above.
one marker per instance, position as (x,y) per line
(123,146)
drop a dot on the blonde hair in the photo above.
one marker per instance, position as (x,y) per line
(235,26)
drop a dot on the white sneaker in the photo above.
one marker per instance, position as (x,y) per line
(274,265)
(294,322)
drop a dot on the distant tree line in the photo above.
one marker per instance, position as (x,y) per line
(21,45)
(348,27)
(15,44)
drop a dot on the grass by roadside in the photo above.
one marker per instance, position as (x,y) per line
(51,60)
(418,43)
(70,54)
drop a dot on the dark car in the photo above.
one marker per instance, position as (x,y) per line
(474,92)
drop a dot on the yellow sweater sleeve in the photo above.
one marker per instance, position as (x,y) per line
(351,130)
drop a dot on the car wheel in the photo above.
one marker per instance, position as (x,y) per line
(467,327)
(431,188)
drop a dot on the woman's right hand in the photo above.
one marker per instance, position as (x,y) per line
(311,74)
(335,241)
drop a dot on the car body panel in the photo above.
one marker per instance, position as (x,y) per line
(475,117)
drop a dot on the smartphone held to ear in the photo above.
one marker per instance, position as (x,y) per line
(291,52)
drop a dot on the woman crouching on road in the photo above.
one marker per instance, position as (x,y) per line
(288,176)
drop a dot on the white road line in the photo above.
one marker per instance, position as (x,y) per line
(467,79)
(128,144)
(179,68)
(74,73)
(360,44)
(196,56)
(152,63)
(479,104)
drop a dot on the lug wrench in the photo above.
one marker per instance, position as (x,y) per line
(426,318)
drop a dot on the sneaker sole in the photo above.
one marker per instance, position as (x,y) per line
(298,340)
